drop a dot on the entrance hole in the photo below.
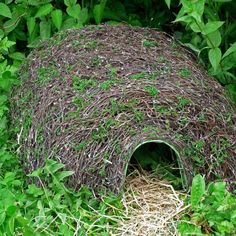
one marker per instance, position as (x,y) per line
(157,158)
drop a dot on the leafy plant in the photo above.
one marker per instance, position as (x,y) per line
(212,210)
(208,36)
(47,207)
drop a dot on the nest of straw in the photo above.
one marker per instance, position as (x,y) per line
(88,97)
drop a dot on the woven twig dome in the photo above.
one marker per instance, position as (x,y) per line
(90,96)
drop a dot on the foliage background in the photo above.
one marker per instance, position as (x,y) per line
(207,27)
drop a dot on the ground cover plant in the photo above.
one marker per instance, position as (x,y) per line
(207,27)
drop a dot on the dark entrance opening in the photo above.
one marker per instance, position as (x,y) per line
(158,158)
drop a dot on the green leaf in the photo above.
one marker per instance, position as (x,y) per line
(45,29)
(3,99)
(8,1)
(196,26)
(212,26)
(98,11)
(2,217)
(214,39)
(5,44)
(219,191)
(74,11)
(63,174)
(193,47)
(83,16)
(22,221)
(168,2)
(222,0)
(231,89)
(11,225)
(214,55)
(197,190)
(1,34)
(34,190)
(17,56)
(196,7)
(187,6)
(36,173)
(229,61)
(7,81)
(31,24)
(196,16)
(186,19)
(11,210)
(230,50)
(57,18)
(70,3)
(54,166)
(5,10)
(69,23)
(185,229)
(3,123)
(11,24)
(44,10)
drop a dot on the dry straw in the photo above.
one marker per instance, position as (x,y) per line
(152,207)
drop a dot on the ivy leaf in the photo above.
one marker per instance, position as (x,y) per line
(5,10)
(57,18)
(44,10)
(214,55)
(197,190)
(212,26)
(74,11)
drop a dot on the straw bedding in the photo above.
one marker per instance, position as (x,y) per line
(152,207)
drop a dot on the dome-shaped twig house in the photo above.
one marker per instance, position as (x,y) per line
(89,98)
